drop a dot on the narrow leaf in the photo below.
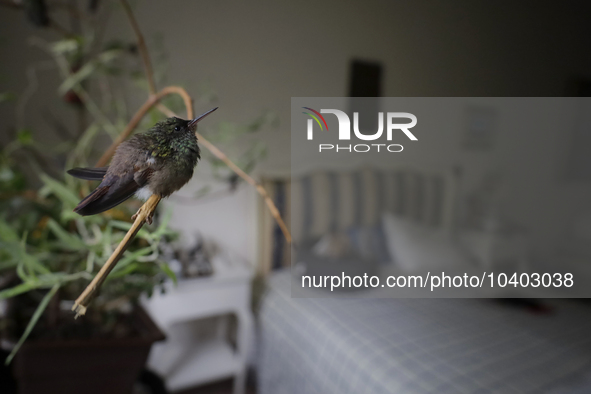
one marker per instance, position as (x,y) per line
(30,261)
(125,226)
(7,96)
(18,289)
(38,312)
(69,240)
(64,46)
(87,70)
(7,233)
(59,189)
(123,272)
(129,258)
(166,269)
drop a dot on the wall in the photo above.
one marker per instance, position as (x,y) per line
(257,55)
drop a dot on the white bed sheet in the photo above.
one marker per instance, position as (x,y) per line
(419,346)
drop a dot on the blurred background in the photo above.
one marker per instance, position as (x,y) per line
(257,56)
(250,59)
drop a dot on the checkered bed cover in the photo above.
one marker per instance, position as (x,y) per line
(418,346)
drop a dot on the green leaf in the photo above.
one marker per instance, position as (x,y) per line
(30,261)
(20,271)
(125,226)
(25,137)
(129,258)
(33,264)
(107,237)
(79,76)
(6,174)
(124,272)
(86,141)
(162,227)
(69,241)
(166,269)
(121,225)
(6,264)
(65,46)
(18,289)
(38,312)
(7,96)
(87,70)
(59,189)
(7,233)
(90,261)
(60,278)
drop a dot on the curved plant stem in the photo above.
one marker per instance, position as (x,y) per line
(142,47)
(146,211)
(139,115)
(259,188)
(150,103)
(212,148)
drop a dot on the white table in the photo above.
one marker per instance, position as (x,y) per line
(184,360)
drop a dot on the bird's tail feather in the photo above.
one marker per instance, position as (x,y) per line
(91,174)
(107,195)
(84,207)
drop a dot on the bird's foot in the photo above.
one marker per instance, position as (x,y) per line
(146,211)
(149,217)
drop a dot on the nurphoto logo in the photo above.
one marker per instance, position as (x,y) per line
(345,130)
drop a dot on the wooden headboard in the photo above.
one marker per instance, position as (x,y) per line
(322,201)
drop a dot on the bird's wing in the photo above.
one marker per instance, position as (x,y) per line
(141,176)
(113,190)
(91,174)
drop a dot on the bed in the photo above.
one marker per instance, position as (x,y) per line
(419,346)
(352,344)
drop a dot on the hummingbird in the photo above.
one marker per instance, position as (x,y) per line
(159,161)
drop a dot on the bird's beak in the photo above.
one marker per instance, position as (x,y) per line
(197,119)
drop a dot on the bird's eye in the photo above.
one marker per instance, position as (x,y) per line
(177,128)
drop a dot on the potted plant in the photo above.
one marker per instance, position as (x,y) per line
(48,253)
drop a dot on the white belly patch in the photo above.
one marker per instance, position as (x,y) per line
(144,193)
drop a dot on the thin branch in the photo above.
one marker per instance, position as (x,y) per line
(259,188)
(151,102)
(144,214)
(142,46)
(146,211)
(216,152)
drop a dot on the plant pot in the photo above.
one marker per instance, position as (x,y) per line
(86,366)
